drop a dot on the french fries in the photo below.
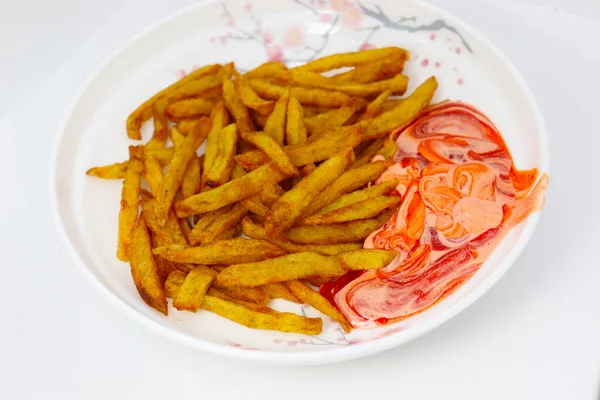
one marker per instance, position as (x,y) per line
(250,99)
(374,191)
(220,170)
(306,96)
(272,149)
(220,225)
(275,125)
(351,59)
(235,106)
(367,259)
(153,173)
(219,118)
(374,71)
(292,204)
(118,170)
(295,129)
(189,108)
(364,209)
(335,117)
(191,292)
(129,202)
(279,291)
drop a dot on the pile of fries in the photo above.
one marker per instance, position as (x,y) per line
(288,163)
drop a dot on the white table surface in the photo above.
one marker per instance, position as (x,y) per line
(536,335)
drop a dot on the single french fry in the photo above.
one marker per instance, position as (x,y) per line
(270,194)
(368,152)
(335,117)
(191,180)
(185,126)
(378,70)
(174,282)
(219,118)
(225,252)
(118,170)
(235,106)
(129,202)
(250,99)
(364,209)
(306,96)
(275,124)
(266,70)
(277,290)
(186,229)
(244,294)
(191,293)
(295,129)
(254,306)
(230,192)
(337,233)
(220,170)
(380,189)
(351,59)
(205,220)
(144,271)
(290,207)
(363,259)
(144,111)
(272,149)
(198,86)
(387,150)
(153,173)
(161,133)
(189,108)
(375,107)
(285,322)
(221,224)
(310,152)
(346,182)
(314,299)
(253,204)
(173,178)
(254,231)
(230,233)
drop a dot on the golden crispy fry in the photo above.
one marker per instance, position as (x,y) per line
(173,178)
(390,104)
(227,252)
(230,233)
(364,209)
(231,192)
(313,151)
(220,225)
(358,260)
(295,129)
(375,107)
(241,294)
(259,120)
(144,112)
(235,106)
(292,204)
(368,152)
(220,170)
(374,191)
(153,173)
(197,87)
(177,137)
(191,293)
(254,231)
(174,282)
(144,270)
(145,195)
(162,233)
(129,202)
(277,290)
(191,181)
(335,117)
(309,296)
(281,269)
(347,182)
(317,282)
(378,70)
(284,322)
(219,118)
(266,70)
(161,133)
(338,233)
(186,229)
(185,126)
(351,59)
(303,78)
(388,149)
(189,108)
(205,220)
(270,194)
(253,204)
(118,170)
(272,149)
(250,99)
(259,307)
(310,96)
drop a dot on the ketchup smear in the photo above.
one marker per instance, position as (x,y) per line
(461,194)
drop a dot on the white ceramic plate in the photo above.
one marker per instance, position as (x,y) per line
(468,67)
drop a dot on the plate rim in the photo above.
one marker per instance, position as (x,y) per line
(325,356)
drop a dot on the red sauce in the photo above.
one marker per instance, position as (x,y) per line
(461,194)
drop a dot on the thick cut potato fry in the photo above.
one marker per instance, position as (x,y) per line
(259,120)
(226,252)
(219,118)
(306,96)
(259,307)
(314,299)
(161,127)
(245,294)
(174,282)
(186,229)
(360,210)
(281,269)
(235,106)
(292,204)
(197,87)
(375,107)
(144,271)
(359,260)
(338,233)
(250,99)
(359,195)
(284,322)
(278,290)
(118,170)
(390,104)
(253,204)
(177,137)
(220,171)
(230,233)
(314,151)
(162,233)
(387,150)
(254,231)
(275,125)
(191,293)
(347,182)
(129,202)
(173,178)
(191,180)
(397,84)
(372,72)
(205,220)
(270,194)
(153,173)
(266,70)
(144,111)
(189,108)
(231,192)
(185,126)
(351,59)
(272,149)
(368,152)
(295,130)
(335,117)
(220,225)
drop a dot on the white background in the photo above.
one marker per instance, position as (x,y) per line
(536,335)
